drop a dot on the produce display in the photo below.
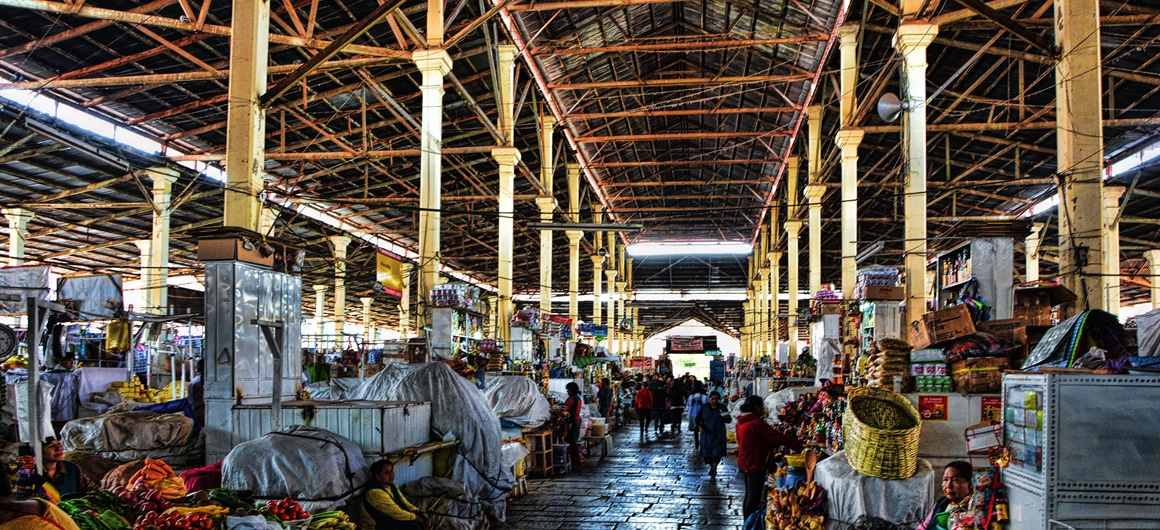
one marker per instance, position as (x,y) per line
(815,419)
(148,509)
(799,508)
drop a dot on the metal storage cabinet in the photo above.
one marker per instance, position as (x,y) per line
(377,427)
(1085,450)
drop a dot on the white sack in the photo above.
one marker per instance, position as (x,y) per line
(132,435)
(448,504)
(18,397)
(1148,332)
(518,400)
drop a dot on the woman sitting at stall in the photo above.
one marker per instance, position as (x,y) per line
(385,507)
(956,488)
(32,514)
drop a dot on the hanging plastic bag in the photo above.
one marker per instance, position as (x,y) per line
(117,336)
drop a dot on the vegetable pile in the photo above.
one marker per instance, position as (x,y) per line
(335,520)
(800,508)
(173,520)
(286,510)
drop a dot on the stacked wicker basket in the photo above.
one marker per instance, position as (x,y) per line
(881,433)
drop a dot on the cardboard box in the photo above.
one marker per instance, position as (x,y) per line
(949,324)
(829,309)
(919,335)
(233,249)
(879,292)
(1012,330)
(1034,304)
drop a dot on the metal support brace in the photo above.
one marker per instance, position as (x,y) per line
(274,333)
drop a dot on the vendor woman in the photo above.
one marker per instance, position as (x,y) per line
(956,488)
(385,507)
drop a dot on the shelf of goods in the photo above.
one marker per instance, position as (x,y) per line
(1083,450)
(990,260)
(540,459)
(456,331)
(881,319)
(377,427)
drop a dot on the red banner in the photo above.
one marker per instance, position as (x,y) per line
(558,319)
(694,344)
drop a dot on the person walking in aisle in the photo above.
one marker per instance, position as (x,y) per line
(644,406)
(572,407)
(693,405)
(677,396)
(604,398)
(711,420)
(660,404)
(758,447)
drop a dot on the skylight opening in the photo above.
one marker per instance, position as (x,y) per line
(1130,163)
(681,249)
(99,126)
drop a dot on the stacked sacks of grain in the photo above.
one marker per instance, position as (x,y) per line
(889,360)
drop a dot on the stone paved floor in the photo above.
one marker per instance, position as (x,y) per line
(658,485)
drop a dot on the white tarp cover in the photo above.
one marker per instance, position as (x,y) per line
(133,435)
(850,494)
(319,469)
(775,401)
(460,411)
(448,504)
(18,400)
(1148,330)
(517,399)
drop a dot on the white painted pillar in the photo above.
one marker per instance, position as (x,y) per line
(148,278)
(574,274)
(621,338)
(163,179)
(507,157)
(758,316)
(433,64)
(266,219)
(815,192)
(793,228)
(547,205)
(18,219)
(848,141)
(320,308)
(368,331)
(597,265)
(339,244)
(610,314)
(775,303)
(746,323)
(912,40)
(246,117)
(1031,251)
(1079,148)
(1154,275)
(405,302)
(1111,244)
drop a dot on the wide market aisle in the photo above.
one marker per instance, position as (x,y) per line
(658,485)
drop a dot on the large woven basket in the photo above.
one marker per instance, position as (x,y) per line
(881,431)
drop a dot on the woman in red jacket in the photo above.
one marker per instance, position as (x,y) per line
(758,446)
(644,406)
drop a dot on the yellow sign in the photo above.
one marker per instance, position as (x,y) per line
(390,274)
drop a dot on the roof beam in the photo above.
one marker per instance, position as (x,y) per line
(145,19)
(680,81)
(1008,126)
(362,26)
(676,112)
(678,136)
(656,163)
(581,4)
(1011,26)
(676,47)
(963,14)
